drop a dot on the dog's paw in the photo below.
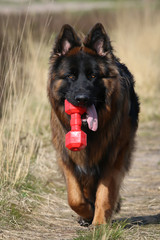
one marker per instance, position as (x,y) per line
(84,222)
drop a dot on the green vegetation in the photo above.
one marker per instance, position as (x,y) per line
(106,232)
(16,205)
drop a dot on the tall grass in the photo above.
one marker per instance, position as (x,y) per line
(137,38)
(23,76)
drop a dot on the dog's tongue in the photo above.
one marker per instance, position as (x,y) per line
(92,118)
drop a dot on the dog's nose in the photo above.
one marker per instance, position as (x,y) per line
(81,99)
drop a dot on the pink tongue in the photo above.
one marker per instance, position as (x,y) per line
(92,118)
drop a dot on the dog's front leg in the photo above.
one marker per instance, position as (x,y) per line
(106,197)
(76,199)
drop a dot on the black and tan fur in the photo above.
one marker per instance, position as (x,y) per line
(93,175)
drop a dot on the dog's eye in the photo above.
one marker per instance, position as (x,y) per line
(71,77)
(92,76)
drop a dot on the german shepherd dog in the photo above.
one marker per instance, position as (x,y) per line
(88,74)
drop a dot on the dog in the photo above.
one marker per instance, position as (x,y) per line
(88,74)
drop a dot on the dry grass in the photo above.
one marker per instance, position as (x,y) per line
(24,99)
(137,43)
(24,122)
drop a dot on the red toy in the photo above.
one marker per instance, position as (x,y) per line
(76,139)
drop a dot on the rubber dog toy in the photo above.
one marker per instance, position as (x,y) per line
(76,139)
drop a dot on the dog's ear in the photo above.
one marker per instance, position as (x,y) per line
(66,40)
(98,40)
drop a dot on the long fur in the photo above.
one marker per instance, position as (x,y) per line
(93,175)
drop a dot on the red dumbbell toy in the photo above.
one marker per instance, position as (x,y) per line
(76,139)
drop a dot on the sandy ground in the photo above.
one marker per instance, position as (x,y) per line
(140,198)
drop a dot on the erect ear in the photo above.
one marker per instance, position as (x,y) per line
(98,40)
(66,40)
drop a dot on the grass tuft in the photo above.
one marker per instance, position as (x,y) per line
(104,232)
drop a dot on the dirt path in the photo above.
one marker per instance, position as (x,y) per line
(53,7)
(54,220)
(20,6)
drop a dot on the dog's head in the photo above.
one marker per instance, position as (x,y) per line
(83,73)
